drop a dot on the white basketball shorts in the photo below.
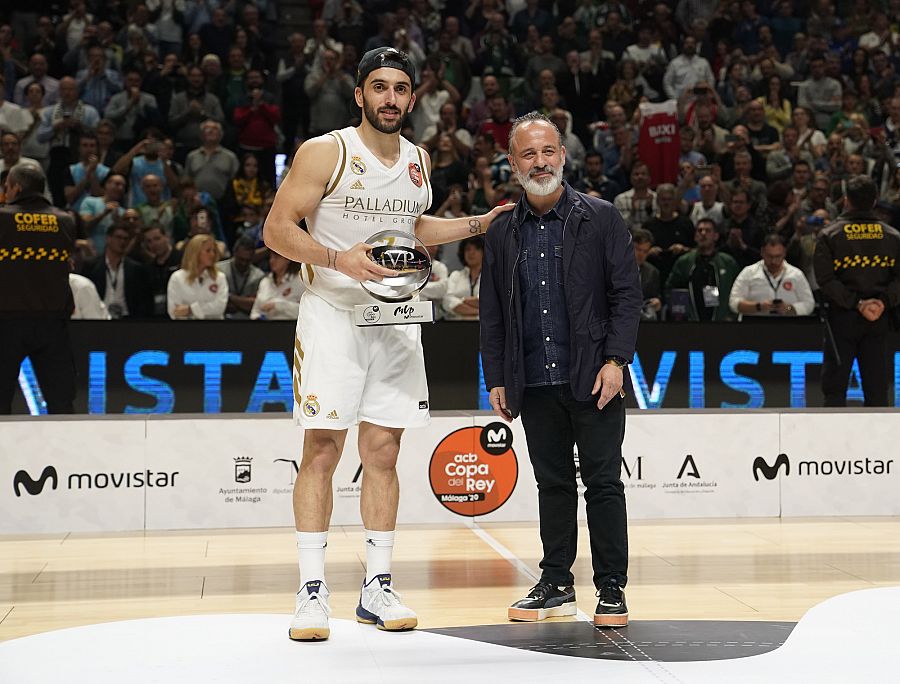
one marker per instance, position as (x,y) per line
(345,374)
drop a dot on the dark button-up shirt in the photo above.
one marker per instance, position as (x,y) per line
(544,315)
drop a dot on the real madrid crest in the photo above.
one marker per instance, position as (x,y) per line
(311,406)
(415,174)
(357,165)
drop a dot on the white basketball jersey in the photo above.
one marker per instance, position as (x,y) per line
(364,197)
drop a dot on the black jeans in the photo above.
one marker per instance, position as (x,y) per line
(46,341)
(856,338)
(554,422)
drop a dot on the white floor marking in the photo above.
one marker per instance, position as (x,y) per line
(233,649)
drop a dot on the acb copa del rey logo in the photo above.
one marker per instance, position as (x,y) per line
(473,470)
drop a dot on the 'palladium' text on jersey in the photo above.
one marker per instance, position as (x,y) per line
(383,205)
(379,210)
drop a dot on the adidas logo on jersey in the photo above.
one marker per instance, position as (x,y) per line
(333,415)
(358,186)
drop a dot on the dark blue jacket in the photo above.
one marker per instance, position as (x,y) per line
(603,296)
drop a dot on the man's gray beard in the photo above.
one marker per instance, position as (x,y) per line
(538,188)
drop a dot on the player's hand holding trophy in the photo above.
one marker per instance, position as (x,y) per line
(404,254)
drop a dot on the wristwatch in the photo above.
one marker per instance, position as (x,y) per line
(616,361)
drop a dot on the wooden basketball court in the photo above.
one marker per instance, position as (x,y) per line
(452,575)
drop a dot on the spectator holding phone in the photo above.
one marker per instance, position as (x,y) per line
(802,246)
(771,286)
(201,224)
(686,70)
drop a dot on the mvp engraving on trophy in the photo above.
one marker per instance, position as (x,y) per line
(404,253)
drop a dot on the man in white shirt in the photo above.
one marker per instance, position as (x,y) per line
(437,284)
(771,286)
(88,305)
(37,72)
(882,37)
(708,206)
(13,117)
(649,56)
(686,69)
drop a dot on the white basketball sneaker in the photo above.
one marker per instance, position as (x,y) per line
(310,621)
(380,605)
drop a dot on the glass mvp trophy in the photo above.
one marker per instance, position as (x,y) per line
(402,252)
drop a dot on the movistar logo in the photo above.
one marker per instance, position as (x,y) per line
(770,472)
(35,487)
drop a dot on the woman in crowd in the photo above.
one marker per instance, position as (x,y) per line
(198,290)
(461,300)
(278,296)
(481,188)
(193,52)
(628,88)
(859,65)
(253,58)
(455,206)
(809,138)
(446,169)
(869,105)
(246,189)
(777,106)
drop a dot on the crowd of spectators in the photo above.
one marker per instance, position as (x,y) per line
(159,124)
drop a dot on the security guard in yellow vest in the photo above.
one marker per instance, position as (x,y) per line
(857,266)
(36,240)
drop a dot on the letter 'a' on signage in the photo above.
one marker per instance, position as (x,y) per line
(474,470)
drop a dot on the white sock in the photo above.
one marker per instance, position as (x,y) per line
(311,546)
(379,547)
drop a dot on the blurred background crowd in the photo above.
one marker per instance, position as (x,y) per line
(165,127)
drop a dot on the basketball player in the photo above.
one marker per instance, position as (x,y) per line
(348,185)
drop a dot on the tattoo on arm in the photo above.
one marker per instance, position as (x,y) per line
(332,258)
(474,226)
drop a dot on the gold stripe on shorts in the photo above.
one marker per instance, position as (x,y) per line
(298,359)
(310,273)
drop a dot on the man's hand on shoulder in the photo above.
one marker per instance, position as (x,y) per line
(480,224)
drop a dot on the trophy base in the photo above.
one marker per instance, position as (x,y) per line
(396,313)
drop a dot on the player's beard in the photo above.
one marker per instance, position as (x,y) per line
(541,188)
(372,117)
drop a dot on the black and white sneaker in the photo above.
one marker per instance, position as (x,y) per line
(611,609)
(543,601)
